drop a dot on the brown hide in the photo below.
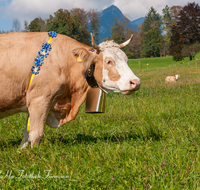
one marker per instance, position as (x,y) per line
(111,67)
(60,85)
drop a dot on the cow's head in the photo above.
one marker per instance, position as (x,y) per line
(112,72)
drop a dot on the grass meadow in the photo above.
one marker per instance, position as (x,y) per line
(147,140)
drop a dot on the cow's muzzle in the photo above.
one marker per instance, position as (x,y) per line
(134,85)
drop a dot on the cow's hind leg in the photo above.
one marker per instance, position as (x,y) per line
(24,143)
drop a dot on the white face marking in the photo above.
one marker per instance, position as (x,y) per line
(110,86)
(126,75)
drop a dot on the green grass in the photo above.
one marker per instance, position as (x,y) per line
(148,140)
(159,62)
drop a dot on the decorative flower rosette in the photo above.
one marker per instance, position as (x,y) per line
(43,53)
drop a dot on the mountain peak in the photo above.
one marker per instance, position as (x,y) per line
(112,8)
(107,19)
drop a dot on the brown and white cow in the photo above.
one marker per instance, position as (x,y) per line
(56,93)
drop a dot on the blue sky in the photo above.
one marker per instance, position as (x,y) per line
(30,9)
(4,22)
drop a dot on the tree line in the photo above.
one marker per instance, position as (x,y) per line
(76,23)
(176,32)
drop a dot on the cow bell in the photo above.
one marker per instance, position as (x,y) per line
(95,101)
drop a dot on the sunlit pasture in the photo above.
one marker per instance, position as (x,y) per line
(147,140)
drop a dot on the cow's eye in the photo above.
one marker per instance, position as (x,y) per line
(109,62)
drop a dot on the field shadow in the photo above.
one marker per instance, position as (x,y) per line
(113,138)
(89,138)
(8,143)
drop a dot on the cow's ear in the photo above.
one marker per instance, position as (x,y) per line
(86,57)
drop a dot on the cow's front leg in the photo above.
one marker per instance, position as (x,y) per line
(38,111)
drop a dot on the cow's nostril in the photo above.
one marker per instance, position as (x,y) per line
(132,84)
(135,84)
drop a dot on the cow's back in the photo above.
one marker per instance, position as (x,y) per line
(17,54)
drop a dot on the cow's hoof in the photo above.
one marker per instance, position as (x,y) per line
(24,145)
(36,141)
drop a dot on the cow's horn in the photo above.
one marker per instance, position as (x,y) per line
(94,45)
(93,42)
(126,42)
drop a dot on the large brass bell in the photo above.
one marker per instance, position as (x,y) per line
(95,101)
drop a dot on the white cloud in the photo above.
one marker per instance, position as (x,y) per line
(139,8)
(30,9)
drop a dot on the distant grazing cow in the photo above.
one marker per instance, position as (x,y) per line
(56,93)
(171,79)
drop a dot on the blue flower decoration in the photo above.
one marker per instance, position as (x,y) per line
(38,61)
(52,34)
(46,47)
(35,69)
(42,53)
